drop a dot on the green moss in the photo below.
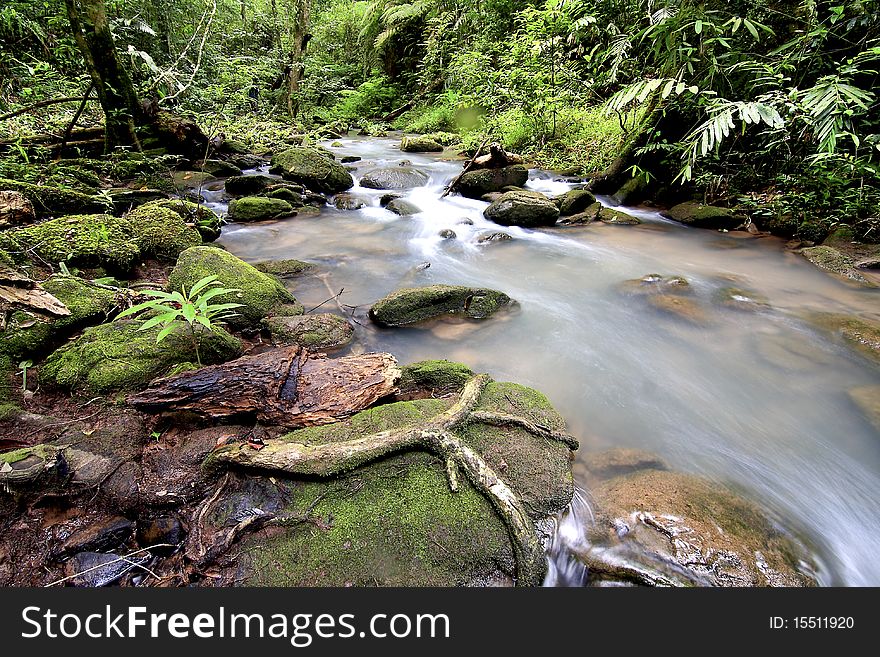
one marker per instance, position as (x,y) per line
(321,331)
(434,376)
(312,168)
(26,335)
(444,138)
(420,144)
(812,231)
(82,240)
(260,293)
(160,231)
(284,268)
(574,202)
(836,262)
(50,201)
(862,334)
(412,305)
(206,221)
(699,215)
(259,208)
(120,356)
(616,217)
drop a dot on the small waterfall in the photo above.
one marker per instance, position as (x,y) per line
(570,539)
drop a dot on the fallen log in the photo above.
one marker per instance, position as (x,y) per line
(496,158)
(288,387)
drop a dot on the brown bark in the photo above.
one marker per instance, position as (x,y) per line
(17,291)
(287,387)
(299,39)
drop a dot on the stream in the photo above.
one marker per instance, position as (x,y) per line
(756,400)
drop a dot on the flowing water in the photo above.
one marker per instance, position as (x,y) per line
(757,400)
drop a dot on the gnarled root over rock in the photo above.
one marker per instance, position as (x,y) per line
(436,436)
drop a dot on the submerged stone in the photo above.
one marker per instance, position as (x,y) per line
(867,399)
(260,293)
(616,217)
(861,334)
(412,305)
(315,332)
(832,260)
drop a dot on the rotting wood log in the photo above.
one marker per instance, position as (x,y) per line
(19,292)
(497,158)
(288,387)
(438,436)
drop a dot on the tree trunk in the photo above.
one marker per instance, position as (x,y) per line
(299,39)
(122,110)
(285,387)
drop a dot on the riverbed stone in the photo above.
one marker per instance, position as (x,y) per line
(475,184)
(205,220)
(617,217)
(162,232)
(433,378)
(417,304)
(700,215)
(860,333)
(285,268)
(396,521)
(574,201)
(420,144)
(259,208)
(260,293)
(522,208)
(741,299)
(589,215)
(488,238)
(315,332)
(50,201)
(192,179)
(400,177)
(312,168)
(125,199)
(346,201)
(249,185)
(220,168)
(120,356)
(836,262)
(402,207)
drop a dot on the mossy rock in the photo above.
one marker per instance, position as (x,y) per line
(420,144)
(632,191)
(402,207)
(700,215)
(616,217)
(125,199)
(474,184)
(285,193)
(433,377)
(861,334)
(284,268)
(89,240)
(522,208)
(220,168)
(119,356)
(161,231)
(836,262)
(444,138)
(51,201)
(588,216)
(259,208)
(315,332)
(206,221)
(650,284)
(395,522)
(28,335)
(417,304)
(740,299)
(394,178)
(574,202)
(312,168)
(706,532)
(248,185)
(259,293)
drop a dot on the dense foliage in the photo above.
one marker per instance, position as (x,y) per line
(768,104)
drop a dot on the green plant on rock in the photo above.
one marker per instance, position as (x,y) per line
(182,308)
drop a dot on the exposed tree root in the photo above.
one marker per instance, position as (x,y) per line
(435,436)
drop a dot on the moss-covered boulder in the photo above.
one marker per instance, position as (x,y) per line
(474,184)
(206,221)
(88,240)
(587,216)
(260,293)
(522,208)
(420,144)
(692,531)
(574,201)
(162,232)
(394,178)
(699,215)
(312,168)
(119,356)
(259,208)
(396,521)
(248,185)
(125,199)
(315,332)
(433,377)
(417,304)
(220,168)
(284,268)
(631,192)
(616,217)
(28,335)
(50,201)
(836,262)
(861,334)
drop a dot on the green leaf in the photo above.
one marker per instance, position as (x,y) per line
(698,27)
(751,28)
(202,283)
(158,319)
(189,312)
(165,332)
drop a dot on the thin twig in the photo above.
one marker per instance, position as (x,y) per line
(124,557)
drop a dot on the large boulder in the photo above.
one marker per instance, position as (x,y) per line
(160,231)
(259,208)
(402,207)
(420,144)
(474,184)
(89,240)
(312,168)
(574,201)
(205,220)
(15,209)
(394,178)
(689,531)
(28,335)
(260,294)
(396,521)
(120,356)
(248,185)
(522,208)
(49,201)
(699,215)
(412,305)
